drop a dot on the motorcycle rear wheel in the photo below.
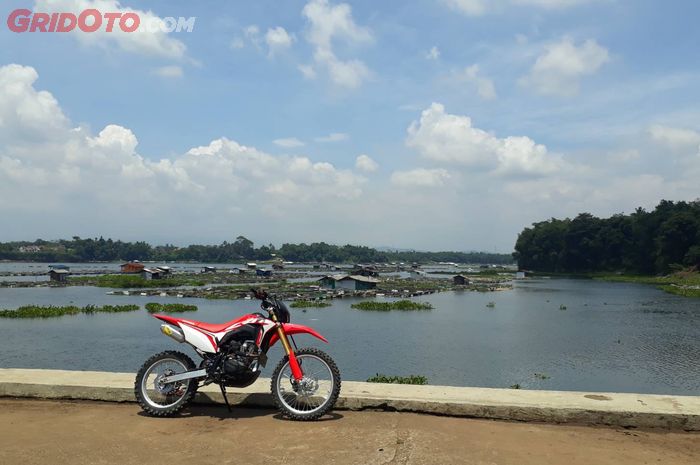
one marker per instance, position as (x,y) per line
(157,398)
(315,394)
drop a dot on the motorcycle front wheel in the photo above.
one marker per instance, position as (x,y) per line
(315,394)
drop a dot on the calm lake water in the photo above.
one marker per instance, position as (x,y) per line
(611,337)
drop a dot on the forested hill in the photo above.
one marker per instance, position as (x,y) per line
(87,250)
(642,242)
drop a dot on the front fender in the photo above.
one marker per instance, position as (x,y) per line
(290,329)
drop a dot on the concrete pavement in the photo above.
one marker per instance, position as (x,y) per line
(78,432)
(615,409)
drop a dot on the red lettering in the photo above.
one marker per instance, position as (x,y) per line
(97,20)
(111,17)
(52,24)
(136,21)
(64,26)
(40,22)
(18,21)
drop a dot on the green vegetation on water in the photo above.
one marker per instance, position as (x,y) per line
(412,379)
(309,304)
(126,281)
(34,311)
(371,305)
(154,307)
(683,283)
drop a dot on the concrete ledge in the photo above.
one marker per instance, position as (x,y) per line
(614,409)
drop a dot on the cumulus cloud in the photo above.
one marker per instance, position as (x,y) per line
(433,54)
(326,23)
(288,142)
(675,138)
(64,171)
(484,86)
(420,177)
(278,40)
(559,70)
(447,138)
(365,163)
(169,71)
(333,137)
(481,7)
(141,41)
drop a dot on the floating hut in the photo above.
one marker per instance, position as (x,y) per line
(59,275)
(132,267)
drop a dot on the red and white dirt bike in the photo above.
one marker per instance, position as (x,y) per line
(305,385)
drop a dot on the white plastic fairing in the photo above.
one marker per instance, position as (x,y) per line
(198,339)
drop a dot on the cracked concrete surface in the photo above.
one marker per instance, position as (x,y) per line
(80,432)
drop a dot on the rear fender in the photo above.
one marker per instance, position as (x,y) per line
(291,329)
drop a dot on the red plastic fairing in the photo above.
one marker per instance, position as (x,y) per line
(167,318)
(290,328)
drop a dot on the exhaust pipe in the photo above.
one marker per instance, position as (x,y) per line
(173,332)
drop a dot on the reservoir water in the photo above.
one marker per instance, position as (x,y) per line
(609,337)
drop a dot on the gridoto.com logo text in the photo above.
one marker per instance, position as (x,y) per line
(94,20)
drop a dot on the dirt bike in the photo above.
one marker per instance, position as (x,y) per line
(305,384)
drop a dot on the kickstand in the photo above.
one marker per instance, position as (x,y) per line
(223,393)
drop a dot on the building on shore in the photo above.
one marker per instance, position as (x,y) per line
(251,265)
(460,280)
(134,267)
(367,271)
(59,275)
(208,269)
(164,270)
(263,273)
(151,273)
(349,282)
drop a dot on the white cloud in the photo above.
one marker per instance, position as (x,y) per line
(433,54)
(333,137)
(481,7)
(278,40)
(169,71)
(675,138)
(63,171)
(141,41)
(237,43)
(468,7)
(25,113)
(307,71)
(484,86)
(551,4)
(327,23)
(420,177)
(365,163)
(559,69)
(447,138)
(288,142)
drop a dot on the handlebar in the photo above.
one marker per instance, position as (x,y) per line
(259,294)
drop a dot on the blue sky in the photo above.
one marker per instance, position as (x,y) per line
(473,118)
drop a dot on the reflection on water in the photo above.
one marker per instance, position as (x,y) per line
(611,337)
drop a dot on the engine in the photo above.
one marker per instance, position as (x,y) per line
(241,358)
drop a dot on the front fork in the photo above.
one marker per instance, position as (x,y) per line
(293,363)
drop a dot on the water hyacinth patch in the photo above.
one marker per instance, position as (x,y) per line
(309,304)
(51,311)
(153,307)
(411,379)
(388,306)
